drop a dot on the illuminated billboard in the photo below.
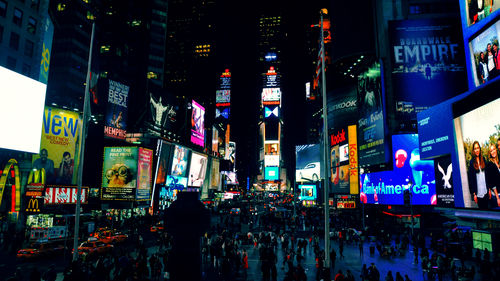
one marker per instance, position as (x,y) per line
(307,192)
(116,110)
(271,160)
(478,131)
(119,177)
(484,51)
(22,102)
(271,78)
(477,10)
(271,111)
(308,167)
(145,166)
(339,162)
(175,182)
(409,173)
(197,169)
(198,124)
(428,57)
(271,148)
(372,149)
(56,195)
(59,147)
(163,168)
(215,174)
(271,173)
(179,161)
(222,96)
(222,112)
(271,94)
(230,177)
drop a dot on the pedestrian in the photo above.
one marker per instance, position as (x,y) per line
(349,276)
(245,264)
(361,248)
(399,277)
(341,249)
(373,273)
(364,273)
(415,253)
(389,276)
(407,278)
(35,275)
(333,257)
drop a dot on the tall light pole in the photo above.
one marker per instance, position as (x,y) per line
(85,118)
(326,164)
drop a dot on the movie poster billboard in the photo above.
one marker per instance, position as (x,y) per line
(427,65)
(59,147)
(484,55)
(478,10)
(198,124)
(197,169)
(145,164)
(116,110)
(119,177)
(180,161)
(307,163)
(409,173)
(477,132)
(371,122)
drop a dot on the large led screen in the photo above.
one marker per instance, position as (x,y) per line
(478,10)
(484,55)
(198,124)
(175,182)
(307,163)
(477,134)
(271,173)
(22,102)
(197,169)
(409,172)
(215,174)
(307,192)
(144,167)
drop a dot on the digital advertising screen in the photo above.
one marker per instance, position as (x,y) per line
(271,148)
(478,10)
(307,163)
(481,241)
(483,52)
(307,192)
(119,177)
(22,94)
(59,153)
(339,161)
(222,112)
(443,169)
(175,182)
(163,167)
(372,148)
(197,169)
(271,111)
(223,96)
(116,110)
(197,124)
(409,172)
(144,180)
(163,111)
(230,177)
(271,173)
(57,195)
(428,57)
(271,160)
(342,105)
(180,161)
(477,132)
(271,94)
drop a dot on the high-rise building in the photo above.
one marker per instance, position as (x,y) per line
(23,27)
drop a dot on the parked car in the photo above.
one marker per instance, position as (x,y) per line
(310,172)
(40,250)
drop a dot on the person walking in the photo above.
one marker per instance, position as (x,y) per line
(364,273)
(339,276)
(361,248)
(245,264)
(389,276)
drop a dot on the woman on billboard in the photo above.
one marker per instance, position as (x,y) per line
(493,172)
(477,177)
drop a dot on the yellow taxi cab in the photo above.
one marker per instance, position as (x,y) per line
(93,247)
(111,236)
(40,250)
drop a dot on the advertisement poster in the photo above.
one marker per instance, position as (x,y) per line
(484,55)
(163,169)
(371,123)
(353,159)
(55,195)
(443,169)
(478,10)
(59,147)
(339,162)
(197,169)
(145,163)
(307,192)
(342,106)
(427,63)
(119,177)
(477,134)
(307,163)
(272,173)
(178,183)
(198,124)
(409,172)
(179,162)
(163,110)
(214,174)
(116,110)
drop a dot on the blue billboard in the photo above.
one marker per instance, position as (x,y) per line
(272,173)
(409,172)
(307,192)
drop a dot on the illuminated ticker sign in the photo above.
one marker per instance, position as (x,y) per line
(225,80)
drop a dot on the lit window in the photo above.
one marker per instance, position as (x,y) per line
(18,17)
(90,16)
(61,7)
(105,48)
(152,75)
(31,25)
(136,23)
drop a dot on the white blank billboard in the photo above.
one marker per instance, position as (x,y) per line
(22,101)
